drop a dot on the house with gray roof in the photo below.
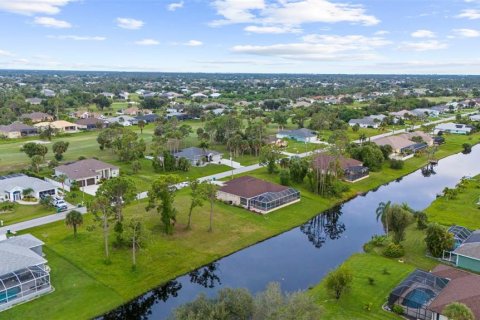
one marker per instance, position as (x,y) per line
(87,172)
(366,122)
(450,127)
(199,157)
(302,135)
(466,251)
(12,187)
(23,272)
(34,101)
(17,130)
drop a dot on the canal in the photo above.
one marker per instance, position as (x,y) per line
(301,257)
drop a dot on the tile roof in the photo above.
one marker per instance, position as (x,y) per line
(249,187)
(16,254)
(17,127)
(7,183)
(397,142)
(324,161)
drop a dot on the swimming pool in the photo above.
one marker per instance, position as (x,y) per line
(418,297)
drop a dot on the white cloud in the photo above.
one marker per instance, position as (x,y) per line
(466,33)
(175,5)
(289,13)
(78,38)
(320,47)
(129,23)
(423,45)
(50,22)
(423,33)
(381,32)
(193,43)
(147,42)
(471,14)
(271,29)
(30,7)
(4,53)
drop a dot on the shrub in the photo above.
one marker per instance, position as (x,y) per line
(422,220)
(396,164)
(385,271)
(371,281)
(398,309)
(394,251)
(284,177)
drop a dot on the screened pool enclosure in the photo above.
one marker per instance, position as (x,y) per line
(270,200)
(416,293)
(23,285)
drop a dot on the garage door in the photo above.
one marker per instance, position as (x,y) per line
(90,181)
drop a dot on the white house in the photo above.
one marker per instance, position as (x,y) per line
(365,123)
(451,127)
(302,135)
(12,187)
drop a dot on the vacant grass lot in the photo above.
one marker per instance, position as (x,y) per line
(23,212)
(166,257)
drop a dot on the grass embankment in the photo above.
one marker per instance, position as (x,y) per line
(24,212)
(166,257)
(463,210)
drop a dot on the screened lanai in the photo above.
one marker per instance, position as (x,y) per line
(22,285)
(270,200)
(416,292)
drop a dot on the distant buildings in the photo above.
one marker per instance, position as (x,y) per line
(17,130)
(36,117)
(59,126)
(257,195)
(87,172)
(199,157)
(366,122)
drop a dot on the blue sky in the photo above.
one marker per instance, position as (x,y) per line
(292,36)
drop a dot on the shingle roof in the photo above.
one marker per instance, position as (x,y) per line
(16,254)
(36,116)
(7,183)
(463,287)
(193,152)
(249,187)
(301,133)
(16,127)
(397,142)
(324,161)
(84,168)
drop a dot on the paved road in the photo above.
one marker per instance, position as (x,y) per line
(61,216)
(38,221)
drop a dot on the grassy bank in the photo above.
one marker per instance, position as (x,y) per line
(166,257)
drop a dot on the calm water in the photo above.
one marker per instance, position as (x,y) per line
(301,257)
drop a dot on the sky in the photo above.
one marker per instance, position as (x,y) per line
(258,36)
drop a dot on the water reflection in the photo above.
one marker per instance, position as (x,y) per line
(324,226)
(141,307)
(429,170)
(206,276)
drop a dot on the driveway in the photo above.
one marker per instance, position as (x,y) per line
(91,190)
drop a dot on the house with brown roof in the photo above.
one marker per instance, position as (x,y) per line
(87,172)
(36,117)
(424,295)
(405,145)
(17,130)
(353,170)
(257,195)
(134,111)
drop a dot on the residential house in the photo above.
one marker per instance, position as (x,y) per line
(441,108)
(377,117)
(48,93)
(353,170)
(87,172)
(199,95)
(148,118)
(34,101)
(124,95)
(59,126)
(84,114)
(302,135)
(24,274)
(451,127)
(108,95)
(401,145)
(257,195)
(12,187)
(418,135)
(402,114)
(215,95)
(475,117)
(365,123)
(125,121)
(199,157)
(91,123)
(466,251)
(36,117)
(424,112)
(17,130)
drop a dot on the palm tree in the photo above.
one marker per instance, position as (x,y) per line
(211,194)
(74,219)
(382,213)
(62,179)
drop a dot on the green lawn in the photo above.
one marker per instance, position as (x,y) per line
(301,147)
(165,257)
(463,210)
(24,212)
